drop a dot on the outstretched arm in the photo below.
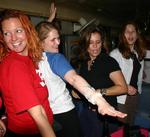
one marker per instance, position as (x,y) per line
(91,95)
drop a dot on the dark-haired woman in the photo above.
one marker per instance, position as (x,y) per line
(130,54)
(103,73)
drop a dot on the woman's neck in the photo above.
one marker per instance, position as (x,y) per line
(131,47)
(92,58)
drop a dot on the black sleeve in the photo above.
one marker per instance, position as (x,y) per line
(111,64)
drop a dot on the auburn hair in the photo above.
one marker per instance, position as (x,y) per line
(3,50)
(34,49)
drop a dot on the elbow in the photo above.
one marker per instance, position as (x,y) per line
(72,80)
(70,77)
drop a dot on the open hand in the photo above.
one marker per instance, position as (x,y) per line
(105,108)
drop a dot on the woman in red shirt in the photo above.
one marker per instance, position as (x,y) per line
(23,90)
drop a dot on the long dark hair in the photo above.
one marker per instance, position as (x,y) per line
(139,44)
(85,41)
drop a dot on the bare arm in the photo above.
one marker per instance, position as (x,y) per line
(52,12)
(40,118)
(2,125)
(93,96)
(2,128)
(120,86)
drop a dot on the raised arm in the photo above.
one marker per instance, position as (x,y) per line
(52,12)
(91,95)
(41,120)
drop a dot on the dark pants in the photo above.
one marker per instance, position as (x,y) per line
(94,124)
(12,134)
(90,123)
(130,107)
(69,122)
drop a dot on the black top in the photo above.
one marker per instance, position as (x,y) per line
(98,76)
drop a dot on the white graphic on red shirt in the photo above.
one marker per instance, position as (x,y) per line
(42,83)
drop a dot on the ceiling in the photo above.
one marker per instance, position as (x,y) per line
(109,12)
(118,10)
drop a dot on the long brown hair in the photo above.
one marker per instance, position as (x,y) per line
(139,44)
(85,40)
(35,51)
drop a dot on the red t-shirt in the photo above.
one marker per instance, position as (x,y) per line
(0,102)
(22,88)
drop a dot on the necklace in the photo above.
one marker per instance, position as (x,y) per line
(90,64)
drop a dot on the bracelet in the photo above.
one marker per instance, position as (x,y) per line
(103,91)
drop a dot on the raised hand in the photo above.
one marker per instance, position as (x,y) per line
(52,12)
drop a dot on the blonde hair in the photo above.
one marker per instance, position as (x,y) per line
(44,27)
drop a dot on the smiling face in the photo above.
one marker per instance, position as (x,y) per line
(95,45)
(130,34)
(51,43)
(15,36)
